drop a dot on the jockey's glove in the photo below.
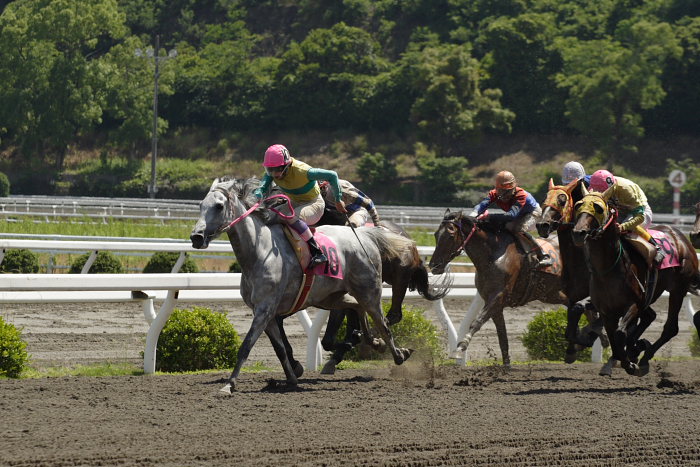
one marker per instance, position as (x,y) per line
(258,193)
(474,213)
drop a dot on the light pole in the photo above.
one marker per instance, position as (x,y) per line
(154,54)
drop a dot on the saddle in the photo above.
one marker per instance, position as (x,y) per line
(642,246)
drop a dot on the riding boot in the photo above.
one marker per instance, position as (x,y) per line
(659,257)
(317,256)
(543,259)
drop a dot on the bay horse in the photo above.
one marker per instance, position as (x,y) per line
(557,215)
(272,275)
(695,233)
(504,277)
(401,278)
(618,282)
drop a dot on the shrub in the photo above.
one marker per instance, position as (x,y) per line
(197,339)
(235,267)
(105,263)
(694,343)
(4,185)
(20,261)
(414,331)
(544,338)
(163,261)
(13,350)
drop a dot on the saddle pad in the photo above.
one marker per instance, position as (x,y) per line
(553,253)
(332,268)
(667,247)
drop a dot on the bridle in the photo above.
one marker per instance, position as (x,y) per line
(467,237)
(227,194)
(565,212)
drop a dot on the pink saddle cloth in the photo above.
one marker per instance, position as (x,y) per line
(668,248)
(331,268)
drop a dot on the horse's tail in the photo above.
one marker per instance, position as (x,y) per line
(419,281)
(393,246)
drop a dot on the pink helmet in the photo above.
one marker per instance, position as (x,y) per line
(276,156)
(601,180)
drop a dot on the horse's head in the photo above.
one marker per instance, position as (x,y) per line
(557,207)
(695,233)
(218,209)
(592,215)
(450,237)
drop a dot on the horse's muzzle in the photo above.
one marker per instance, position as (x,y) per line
(544,229)
(197,240)
(579,237)
(436,269)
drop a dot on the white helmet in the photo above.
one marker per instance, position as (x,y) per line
(572,171)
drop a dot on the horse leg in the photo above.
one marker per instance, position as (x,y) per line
(500,323)
(573,315)
(261,318)
(492,307)
(696,322)
(622,338)
(675,302)
(371,301)
(398,293)
(610,329)
(340,348)
(273,333)
(296,365)
(635,346)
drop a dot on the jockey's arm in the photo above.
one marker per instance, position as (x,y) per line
(331,177)
(635,218)
(264,187)
(485,203)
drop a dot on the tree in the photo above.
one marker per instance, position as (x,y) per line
(441,177)
(610,81)
(450,104)
(52,81)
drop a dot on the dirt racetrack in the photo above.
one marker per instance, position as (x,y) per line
(543,414)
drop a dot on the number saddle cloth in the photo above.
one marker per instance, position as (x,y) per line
(648,251)
(331,268)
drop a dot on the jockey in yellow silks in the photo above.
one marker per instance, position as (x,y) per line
(298,180)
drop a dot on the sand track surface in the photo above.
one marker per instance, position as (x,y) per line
(539,414)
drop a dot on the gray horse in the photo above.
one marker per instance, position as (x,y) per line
(272,275)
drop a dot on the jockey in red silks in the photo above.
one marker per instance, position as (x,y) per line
(521,213)
(298,181)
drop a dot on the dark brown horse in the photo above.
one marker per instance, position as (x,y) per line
(557,215)
(695,233)
(619,287)
(400,277)
(504,277)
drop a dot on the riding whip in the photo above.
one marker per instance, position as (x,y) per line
(357,237)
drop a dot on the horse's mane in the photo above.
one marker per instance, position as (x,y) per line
(243,188)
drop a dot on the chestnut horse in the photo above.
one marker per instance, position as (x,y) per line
(557,215)
(504,277)
(618,282)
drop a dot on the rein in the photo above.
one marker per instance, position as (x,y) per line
(467,237)
(255,206)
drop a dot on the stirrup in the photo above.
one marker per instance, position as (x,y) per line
(317,259)
(659,258)
(545,261)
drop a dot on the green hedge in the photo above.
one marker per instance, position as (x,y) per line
(544,338)
(163,261)
(105,263)
(20,261)
(4,185)
(694,343)
(13,350)
(197,339)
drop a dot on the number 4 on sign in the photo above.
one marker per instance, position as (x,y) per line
(677,178)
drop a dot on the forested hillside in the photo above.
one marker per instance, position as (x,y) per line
(414,95)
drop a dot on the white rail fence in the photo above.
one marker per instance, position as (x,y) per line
(196,287)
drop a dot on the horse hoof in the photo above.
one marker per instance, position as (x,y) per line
(642,370)
(379,345)
(329,367)
(298,369)
(570,357)
(228,389)
(393,318)
(632,369)
(606,371)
